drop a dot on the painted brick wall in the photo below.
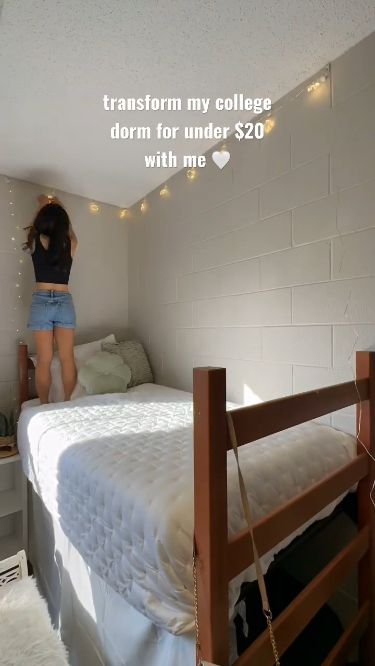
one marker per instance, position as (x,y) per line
(268,267)
(98,281)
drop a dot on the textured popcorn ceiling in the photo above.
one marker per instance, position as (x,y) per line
(58,58)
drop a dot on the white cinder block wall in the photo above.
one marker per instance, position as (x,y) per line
(98,280)
(268,266)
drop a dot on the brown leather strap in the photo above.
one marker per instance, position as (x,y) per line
(250,523)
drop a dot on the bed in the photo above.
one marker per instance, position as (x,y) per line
(119,499)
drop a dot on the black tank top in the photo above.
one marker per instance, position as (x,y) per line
(44,271)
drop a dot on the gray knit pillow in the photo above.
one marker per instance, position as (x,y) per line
(135,357)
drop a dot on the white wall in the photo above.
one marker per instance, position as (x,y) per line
(268,267)
(98,279)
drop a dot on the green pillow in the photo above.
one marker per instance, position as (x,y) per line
(133,354)
(104,373)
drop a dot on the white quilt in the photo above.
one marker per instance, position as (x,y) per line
(117,472)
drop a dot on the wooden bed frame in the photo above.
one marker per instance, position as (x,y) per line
(219,559)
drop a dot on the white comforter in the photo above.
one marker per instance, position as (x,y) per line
(117,472)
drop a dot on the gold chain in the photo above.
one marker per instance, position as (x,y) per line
(268,616)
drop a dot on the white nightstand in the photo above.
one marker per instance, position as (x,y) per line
(13,507)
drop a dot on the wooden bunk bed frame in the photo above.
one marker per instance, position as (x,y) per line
(219,559)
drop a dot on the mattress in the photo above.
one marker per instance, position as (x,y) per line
(116,471)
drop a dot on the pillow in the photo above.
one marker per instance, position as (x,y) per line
(104,373)
(81,354)
(78,392)
(135,357)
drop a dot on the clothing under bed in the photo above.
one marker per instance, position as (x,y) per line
(115,473)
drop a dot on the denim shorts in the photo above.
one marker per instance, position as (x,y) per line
(51,309)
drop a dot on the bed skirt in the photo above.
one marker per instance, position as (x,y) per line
(97,626)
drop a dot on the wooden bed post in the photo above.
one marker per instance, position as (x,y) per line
(211,513)
(366,510)
(23,372)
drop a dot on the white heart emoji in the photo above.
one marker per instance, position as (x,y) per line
(221,158)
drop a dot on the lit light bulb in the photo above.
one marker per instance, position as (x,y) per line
(164,192)
(144,206)
(269,124)
(124,213)
(94,207)
(313,86)
(191,174)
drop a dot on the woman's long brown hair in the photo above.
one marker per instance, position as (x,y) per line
(51,220)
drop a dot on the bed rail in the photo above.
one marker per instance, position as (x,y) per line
(282,522)
(25,365)
(219,559)
(267,418)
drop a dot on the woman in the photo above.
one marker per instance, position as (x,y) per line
(52,244)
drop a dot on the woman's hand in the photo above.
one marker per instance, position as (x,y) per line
(43,200)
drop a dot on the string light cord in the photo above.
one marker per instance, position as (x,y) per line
(372,498)
(268,118)
(350,363)
(14,231)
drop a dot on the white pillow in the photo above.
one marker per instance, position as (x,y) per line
(81,354)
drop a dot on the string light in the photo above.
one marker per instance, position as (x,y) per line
(269,124)
(314,85)
(165,192)
(191,174)
(269,120)
(16,241)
